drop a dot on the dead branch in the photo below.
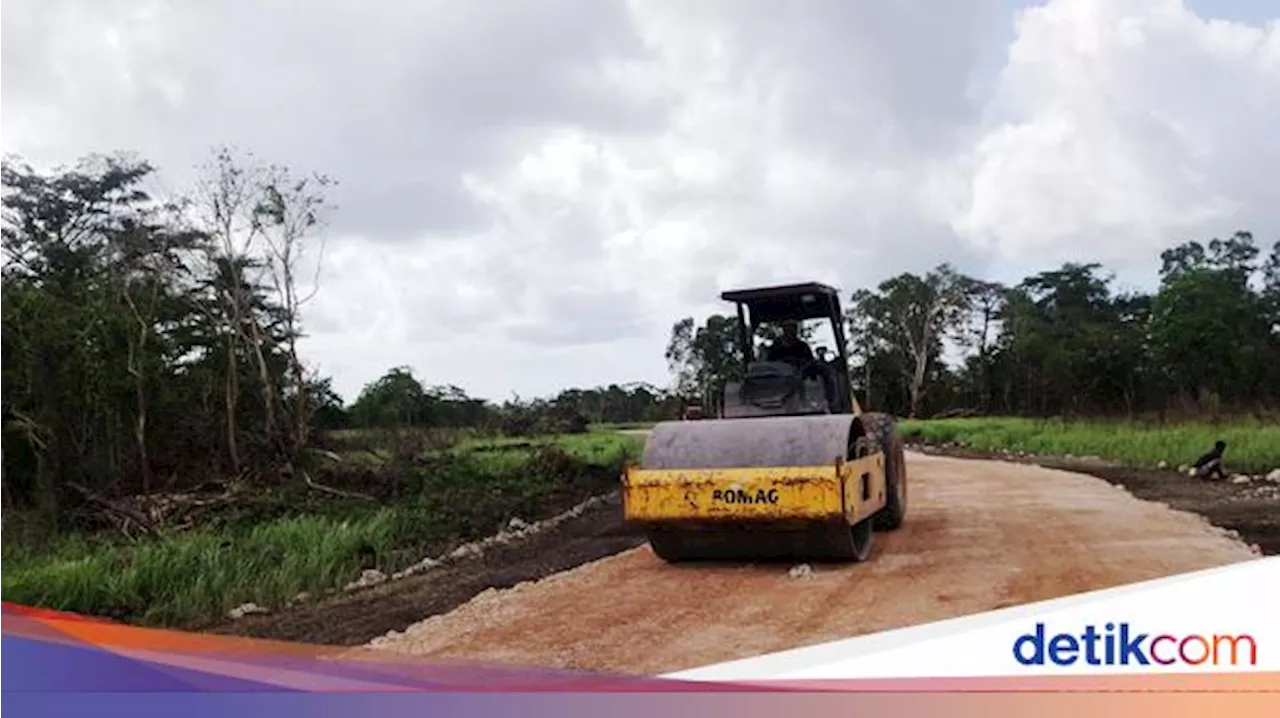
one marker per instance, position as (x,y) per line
(336,492)
(122,511)
(326,454)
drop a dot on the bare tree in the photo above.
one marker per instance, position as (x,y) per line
(263,218)
(290,215)
(225,200)
(911,315)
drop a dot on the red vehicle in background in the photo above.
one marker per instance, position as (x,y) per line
(692,413)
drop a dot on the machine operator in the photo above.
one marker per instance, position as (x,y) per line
(790,347)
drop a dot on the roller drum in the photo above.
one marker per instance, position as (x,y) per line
(784,441)
(758,442)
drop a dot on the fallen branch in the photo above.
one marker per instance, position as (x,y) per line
(117,509)
(955,414)
(331,456)
(336,492)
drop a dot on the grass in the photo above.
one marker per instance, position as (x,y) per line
(1252,446)
(299,541)
(596,448)
(199,575)
(607,427)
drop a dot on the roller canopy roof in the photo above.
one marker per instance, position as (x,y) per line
(810,300)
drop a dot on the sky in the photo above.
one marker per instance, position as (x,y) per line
(532,192)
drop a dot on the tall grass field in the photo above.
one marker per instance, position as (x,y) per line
(1252,446)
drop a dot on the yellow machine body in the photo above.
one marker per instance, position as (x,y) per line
(793,487)
(849,491)
(791,467)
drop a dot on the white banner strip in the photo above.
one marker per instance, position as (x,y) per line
(1217,620)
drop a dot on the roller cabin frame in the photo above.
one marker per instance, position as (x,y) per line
(790,470)
(795,302)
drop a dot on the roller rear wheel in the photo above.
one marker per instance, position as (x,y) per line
(885,429)
(862,537)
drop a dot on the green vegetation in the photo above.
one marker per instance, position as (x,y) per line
(399,399)
(596,449)
(151,344)
(288,541)
(623,426)
(1252,446)
(1062,342)
(151,360)
(169,454)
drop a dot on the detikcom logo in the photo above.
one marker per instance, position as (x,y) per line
(1122,645)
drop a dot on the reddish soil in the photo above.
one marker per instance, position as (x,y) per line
(1251,509)
(979,535)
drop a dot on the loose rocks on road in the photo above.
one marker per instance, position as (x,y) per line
(980,535)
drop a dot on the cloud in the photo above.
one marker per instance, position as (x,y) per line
(758,176)
(396,100)
(532,193)
(1120,126)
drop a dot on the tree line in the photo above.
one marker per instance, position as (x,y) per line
(399,399)
(152,343)
(1060,342)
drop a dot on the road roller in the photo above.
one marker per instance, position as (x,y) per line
(788,468)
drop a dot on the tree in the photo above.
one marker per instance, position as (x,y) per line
(327,409)
(868,340)
(287,213)
(134,330)
(1059,327)
(978,332)
(681,360)
(225,204)
(263,219)
(908,317)
(396,399)
(1209,329)
(704,358)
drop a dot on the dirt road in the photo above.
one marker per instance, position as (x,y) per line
(979,535)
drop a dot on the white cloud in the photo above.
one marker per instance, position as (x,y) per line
(532,193)
(1121,125)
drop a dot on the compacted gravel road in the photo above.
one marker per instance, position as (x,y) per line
(979,535)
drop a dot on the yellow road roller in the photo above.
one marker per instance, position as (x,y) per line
(791,468)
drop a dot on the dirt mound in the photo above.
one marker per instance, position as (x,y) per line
(353,619)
